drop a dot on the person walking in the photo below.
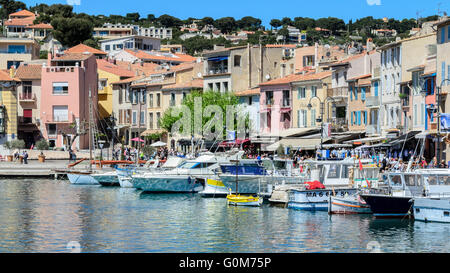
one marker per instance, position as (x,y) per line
(25,157)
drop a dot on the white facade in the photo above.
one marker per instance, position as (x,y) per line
(111,46)
(390,87)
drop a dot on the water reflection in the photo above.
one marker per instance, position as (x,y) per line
(44,215)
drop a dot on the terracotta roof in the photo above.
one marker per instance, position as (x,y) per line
(19,22)
(359,77)
(73,57)
(145,68)
(29,72)
(285,80)
(129,80)
(365,81)
(4,76)
(249,92)
(41,26)
(114,69)
(23,12)
(159,56)
(298,78)
(195,83)
(81,48)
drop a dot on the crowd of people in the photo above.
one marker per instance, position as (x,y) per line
(23,155)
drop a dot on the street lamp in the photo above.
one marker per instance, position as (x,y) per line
(438,144)
(322,106)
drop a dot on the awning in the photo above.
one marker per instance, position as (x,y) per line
(297,143)
(216,59)
(27,113)
(401,139)
(365,140)
(232,143)
(152,131)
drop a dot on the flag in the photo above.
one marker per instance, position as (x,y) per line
(32,146)
(368,183)
(360,165)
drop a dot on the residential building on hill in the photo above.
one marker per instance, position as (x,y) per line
(8,105)
(14,51)
(69,86)
(132,42)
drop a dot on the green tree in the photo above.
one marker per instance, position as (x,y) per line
(286,21)
(10,6)
(249,22)
(225,24)
(133,17)
(169,21)
(71,31)
(276,23)
(223,100)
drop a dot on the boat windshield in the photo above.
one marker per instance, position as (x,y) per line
(410,180)
(396,180)
(334,171)
(279,165)
(189,165)
(439,180)
(267,164)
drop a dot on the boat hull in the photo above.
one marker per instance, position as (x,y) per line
(348,205)
(180,183)
(214,188)
(386,206)
(107,179)
(81,179)
(241,200)
(432,210)
(315,200)
(254,184)
(124,177)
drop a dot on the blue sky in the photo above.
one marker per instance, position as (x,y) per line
(263,9)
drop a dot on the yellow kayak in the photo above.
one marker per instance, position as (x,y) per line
(243,200)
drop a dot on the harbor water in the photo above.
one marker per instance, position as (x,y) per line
(43,215)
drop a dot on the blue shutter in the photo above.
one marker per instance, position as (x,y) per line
(352,117)
(356,93)
(351,93)
(443,71)
(363,93)
(442,35)
(376,89)
(359,117)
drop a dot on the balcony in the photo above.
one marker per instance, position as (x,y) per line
(217,71)
(5,51)
(56,69)
(372,102)
(338,93)
(27,97)
(376,72)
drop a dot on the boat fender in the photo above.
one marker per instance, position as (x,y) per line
(320,194)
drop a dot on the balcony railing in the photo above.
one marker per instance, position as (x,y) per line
(215,71)
(27,97)
(372,101)
(6,51)
(338,92)
(61,69)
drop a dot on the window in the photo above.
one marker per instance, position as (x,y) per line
(443,70)
(61,113)
(442,35)
(415,114)
(10,64)
(150,120)
(351,92)
(269,97)
(356,93)
(27,90)
(313,117)
(107,47)
(51,130)
(422,113)
(286,98)
(237,60)
(172,99)
(158,118)
(143,96)
(363,93)
(134,117)
(135,97)
(158,100)
(313,91)
(102,84)
(302,119)
(301,92)
(16,49)
(151,100)
(225,86)
(142,117)
(120,96)
(375,85)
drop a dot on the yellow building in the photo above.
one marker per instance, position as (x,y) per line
(8,106)
(107,74)
(311,89)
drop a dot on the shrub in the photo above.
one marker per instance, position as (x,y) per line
(18,144)
(42,145)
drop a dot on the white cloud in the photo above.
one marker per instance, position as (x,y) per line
(374,2)
(78,2)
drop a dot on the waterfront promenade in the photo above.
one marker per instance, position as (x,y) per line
(35,168)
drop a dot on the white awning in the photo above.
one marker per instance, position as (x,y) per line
(297,143)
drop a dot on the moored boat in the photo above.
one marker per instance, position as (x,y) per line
(351,204)
(214,188)
(432,209)
(107,178)
(81,178)
(244,200)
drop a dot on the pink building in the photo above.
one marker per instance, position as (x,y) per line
(276,104)
(66,81)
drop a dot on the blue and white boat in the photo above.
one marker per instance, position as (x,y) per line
(256,177)
(107,178)
(337,179)
(182,178)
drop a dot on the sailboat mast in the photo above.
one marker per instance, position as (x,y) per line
(90,130)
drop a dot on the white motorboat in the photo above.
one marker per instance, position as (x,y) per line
(184,177)
(432,209)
